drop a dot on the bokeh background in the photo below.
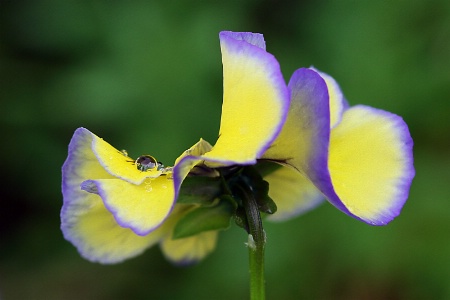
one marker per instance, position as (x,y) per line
(147,77)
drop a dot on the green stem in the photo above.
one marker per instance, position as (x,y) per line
(256,243)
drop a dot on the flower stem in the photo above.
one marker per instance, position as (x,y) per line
(256,243)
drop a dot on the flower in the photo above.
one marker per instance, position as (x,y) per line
(113,210)
(115,207)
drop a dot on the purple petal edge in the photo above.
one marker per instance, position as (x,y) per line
(317,167)
(308,85)
(256,39)
(88,186)
(70,197)
(69,168)
(79,134)
(178,177)
(405,181)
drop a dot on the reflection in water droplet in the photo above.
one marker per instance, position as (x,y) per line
(146,162)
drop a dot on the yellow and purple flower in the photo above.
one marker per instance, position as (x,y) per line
(301,138)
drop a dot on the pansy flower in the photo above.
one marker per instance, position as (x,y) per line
(115,207)
(302,139)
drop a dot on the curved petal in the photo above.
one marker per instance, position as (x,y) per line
(337,102)
(95,233)
(85,222)
(303,142)
(118,164)
(255,102)
(191,249)
(81,163)
(371,165)
(142,208)
(292,192)
(199,148)
(187,161)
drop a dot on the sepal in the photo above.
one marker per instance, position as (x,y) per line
(199,190)
(205,219)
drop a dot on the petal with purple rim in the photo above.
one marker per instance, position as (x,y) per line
(85,221)
(371,165)
(81,163)
(256,39)
(303,142)
(92,229)
(255,102)
(119,165)
(142,208)
(187,161)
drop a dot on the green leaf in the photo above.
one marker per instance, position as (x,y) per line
(199,190)
(266,205)
(205,219)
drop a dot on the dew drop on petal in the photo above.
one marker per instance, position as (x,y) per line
(148,186)
(146,162)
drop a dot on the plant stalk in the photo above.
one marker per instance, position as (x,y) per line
(256,244)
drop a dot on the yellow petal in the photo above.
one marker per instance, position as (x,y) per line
(187,161)
(85,221)
(370,164)
(191,249)
(118,164)
(142,207)
(81,163)
(254,106)
(96,234)
(199,148)
(292,192)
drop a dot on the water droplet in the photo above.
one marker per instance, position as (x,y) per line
(160,166)
(148,186)
(146,162)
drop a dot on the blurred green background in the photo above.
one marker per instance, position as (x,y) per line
(147,77)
